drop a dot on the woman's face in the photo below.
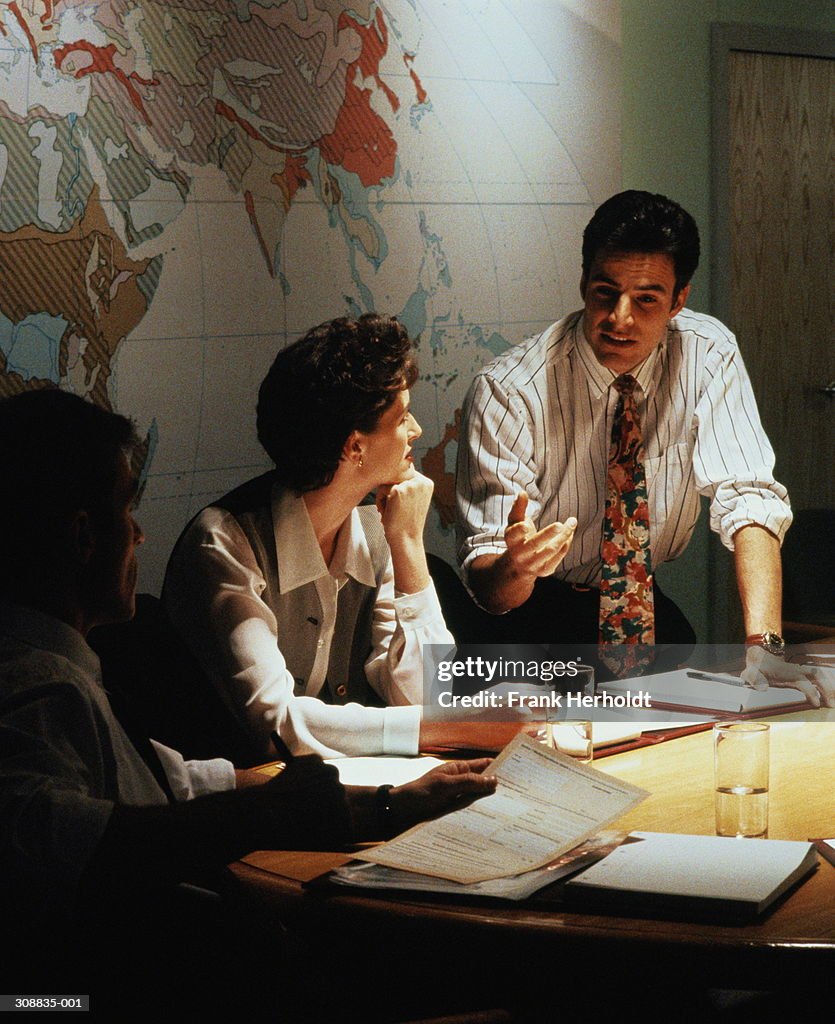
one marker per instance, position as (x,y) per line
(387,450)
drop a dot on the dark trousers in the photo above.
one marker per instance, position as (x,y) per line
(565,619)
(559,613)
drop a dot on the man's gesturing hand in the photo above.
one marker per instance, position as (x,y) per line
(504,581)
(531,552)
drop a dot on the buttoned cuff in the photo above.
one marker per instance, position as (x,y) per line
(483,549)
(491,547)
(190,779)
(401,730)
(414,611)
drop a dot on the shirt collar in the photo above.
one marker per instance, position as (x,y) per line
(37,629)
(300,558)
(601,377)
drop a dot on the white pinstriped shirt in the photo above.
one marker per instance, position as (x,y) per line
(539,419)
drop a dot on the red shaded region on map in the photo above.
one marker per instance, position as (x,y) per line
(420,92)
(433,465)
(295,176)
(222,110)
(361,140)
(15,11)
(83,276)
(249,202)
(101,62)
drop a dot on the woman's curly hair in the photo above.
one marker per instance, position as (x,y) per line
(339,377)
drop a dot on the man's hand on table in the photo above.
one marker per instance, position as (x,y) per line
(311,809)
(763,669)
(445,788)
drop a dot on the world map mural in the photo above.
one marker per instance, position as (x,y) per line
(186,186)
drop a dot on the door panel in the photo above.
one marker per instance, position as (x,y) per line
(782,203)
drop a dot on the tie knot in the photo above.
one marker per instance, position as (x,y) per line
(625,384)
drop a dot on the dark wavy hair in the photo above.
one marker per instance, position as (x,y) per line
(58,454)
(635,221)
(339,377)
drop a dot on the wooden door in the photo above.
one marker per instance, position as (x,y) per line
(782,228)
(772,239)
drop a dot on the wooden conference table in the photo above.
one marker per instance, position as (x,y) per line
(793,948)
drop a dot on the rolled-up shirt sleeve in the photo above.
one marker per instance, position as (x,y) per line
(733,461)
(496,456)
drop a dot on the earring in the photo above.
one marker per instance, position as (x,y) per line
(359,463)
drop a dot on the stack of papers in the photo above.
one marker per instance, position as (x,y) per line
(545,805)
(514,887)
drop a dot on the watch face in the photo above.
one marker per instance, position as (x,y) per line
(774,643)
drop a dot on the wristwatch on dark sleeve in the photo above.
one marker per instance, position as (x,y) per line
(770,641)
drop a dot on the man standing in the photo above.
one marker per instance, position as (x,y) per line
(586,450)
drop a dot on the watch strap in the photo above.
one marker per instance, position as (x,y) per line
(770,641)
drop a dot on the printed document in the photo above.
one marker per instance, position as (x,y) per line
(545,804)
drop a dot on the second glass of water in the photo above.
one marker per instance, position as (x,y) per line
(741,766)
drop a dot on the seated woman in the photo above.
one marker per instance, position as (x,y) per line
(302,607)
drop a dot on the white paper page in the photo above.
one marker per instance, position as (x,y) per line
(681,688)
(545,804)
(606,733)
(380,771)
(715,867)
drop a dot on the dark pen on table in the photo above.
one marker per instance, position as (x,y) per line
(716,677)
(284,751)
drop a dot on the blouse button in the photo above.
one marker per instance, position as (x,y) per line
(341,690)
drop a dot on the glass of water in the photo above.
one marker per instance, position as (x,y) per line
(574,738)
(741,764)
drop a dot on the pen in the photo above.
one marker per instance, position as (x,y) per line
(283,750)
(733,680)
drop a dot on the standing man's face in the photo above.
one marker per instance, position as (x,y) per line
(629,298)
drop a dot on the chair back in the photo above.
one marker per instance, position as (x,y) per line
(169,697)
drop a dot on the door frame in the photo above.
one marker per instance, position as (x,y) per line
(725,38)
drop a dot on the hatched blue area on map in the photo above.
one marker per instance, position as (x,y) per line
(31,347)
(413,314)
(356,200)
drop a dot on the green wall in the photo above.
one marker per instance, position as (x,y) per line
(666,148)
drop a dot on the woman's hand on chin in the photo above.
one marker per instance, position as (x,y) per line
(404,507)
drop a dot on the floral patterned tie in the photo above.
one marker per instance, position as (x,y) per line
(626,600)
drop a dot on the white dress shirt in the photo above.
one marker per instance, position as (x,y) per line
(539,419)
(213,594)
